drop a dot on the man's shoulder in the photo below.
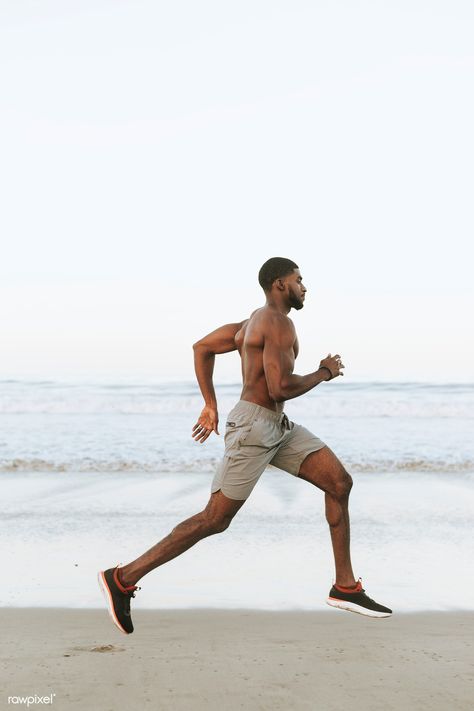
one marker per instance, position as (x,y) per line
(271,321)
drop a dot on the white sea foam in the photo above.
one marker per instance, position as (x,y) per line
(340,400)
(206,465)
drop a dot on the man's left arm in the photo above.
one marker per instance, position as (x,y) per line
(222,340)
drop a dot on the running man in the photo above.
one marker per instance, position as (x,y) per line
(257,433)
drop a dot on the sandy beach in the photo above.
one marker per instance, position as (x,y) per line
(240,659)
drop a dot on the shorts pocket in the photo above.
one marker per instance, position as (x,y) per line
(262,433)
(245,433)
(237,432)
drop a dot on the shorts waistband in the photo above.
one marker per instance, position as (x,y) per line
(259,411)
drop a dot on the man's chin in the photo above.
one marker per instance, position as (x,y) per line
(298,305)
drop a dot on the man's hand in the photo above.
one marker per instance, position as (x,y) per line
(207,423)
(333,364)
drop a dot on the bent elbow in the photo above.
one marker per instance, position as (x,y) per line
(200,348)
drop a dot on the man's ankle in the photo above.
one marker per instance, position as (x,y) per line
(347,585)
(123,580)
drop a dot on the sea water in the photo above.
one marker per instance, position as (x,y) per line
(94,473)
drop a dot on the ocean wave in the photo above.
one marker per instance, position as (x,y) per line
(207,465)
(108,466)
(369,399)
(336,406)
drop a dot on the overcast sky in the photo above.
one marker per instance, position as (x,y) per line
(155,154)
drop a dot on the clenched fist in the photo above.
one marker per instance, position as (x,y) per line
(333,364)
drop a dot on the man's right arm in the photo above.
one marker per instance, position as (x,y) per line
(222,340)
(278,362)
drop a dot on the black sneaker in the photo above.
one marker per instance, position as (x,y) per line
(118,598)
(357,601)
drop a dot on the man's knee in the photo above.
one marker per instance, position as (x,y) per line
(341,487)
(216,523)
(219,512)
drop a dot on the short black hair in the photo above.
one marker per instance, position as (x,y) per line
(274,268)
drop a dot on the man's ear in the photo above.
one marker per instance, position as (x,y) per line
(280,284)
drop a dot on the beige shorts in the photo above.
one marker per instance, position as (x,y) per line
(254,438)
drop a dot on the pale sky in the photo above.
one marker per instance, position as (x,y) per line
(155,154)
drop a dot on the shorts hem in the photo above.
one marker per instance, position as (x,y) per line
(234,498)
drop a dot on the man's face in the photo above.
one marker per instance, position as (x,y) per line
(296,289)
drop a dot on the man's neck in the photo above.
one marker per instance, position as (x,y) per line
(281,307)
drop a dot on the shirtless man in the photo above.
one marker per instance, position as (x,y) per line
(258,433)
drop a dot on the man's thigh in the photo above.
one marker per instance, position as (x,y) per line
(220,506)
(237,474)
(323,469)
(297,445)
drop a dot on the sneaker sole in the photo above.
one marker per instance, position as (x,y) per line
(108,599)
(352,607)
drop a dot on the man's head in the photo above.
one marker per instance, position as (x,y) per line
(282,276)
